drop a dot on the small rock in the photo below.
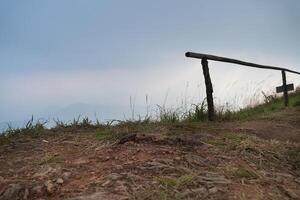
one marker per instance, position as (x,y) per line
(59,181)
(81,161)
(105,159)
(66,175)
(50,188)
(119,167)
(12,192)
(114,176)
(46,171)
(106,183)
(26,194)
(213,190)
(177,158)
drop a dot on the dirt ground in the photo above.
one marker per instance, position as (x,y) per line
(256,159)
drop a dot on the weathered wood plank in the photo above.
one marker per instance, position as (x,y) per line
(290,87)
(234,61)
(209,90)
(285,91)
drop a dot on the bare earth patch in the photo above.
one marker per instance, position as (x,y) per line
(233,160)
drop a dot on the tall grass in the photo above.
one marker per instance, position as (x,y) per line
(184,113)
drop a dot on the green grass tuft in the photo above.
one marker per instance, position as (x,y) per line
(108,135)
(51,158)
(228,141)
(245,173)
(182,181)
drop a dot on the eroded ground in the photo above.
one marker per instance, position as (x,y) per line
(232,160)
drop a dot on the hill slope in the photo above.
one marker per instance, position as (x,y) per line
(249,159)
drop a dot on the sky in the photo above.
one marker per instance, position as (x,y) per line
(60,58)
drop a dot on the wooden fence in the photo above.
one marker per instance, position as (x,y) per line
(209,88)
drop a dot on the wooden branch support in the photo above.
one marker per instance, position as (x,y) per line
(209,90)
(285,89)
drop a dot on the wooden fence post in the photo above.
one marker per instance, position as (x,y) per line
(209,90)
(285,91)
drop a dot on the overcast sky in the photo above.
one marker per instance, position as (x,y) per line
(58,53)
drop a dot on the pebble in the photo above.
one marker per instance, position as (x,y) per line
(59,181)
(213,190)
(26,194)
(119,167)
(49,187)
(114,176)
(106,183)
(66,175)
(177,158)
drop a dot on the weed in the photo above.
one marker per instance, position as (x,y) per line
(78,122)
(108,135)
(168,115)
(182,181)
(60,124)
(51,158)
(245,173)
(167,181)
(168,188)
(30,127)
(197,113)
(228,141)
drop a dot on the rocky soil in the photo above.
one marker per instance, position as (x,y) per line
(234,160)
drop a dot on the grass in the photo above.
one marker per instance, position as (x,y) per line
(245,173)
(79,122)
(271,104)
(107,135)
(168,188)
(31,128)
(196,113)
(182,181)
(51,158)
(228,141)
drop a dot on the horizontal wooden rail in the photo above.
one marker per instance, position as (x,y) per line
(234,61)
